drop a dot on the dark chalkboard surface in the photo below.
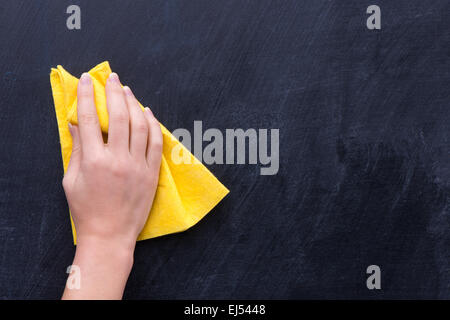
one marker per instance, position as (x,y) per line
(364,143)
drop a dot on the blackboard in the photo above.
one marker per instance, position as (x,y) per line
(364,143)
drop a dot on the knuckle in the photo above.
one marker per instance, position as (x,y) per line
(151,179)
(157,144)
(88,118)
(93,162)
(113,87)
(118,171)
(157,128)
(75,149)
(138,174)
(156,124)
(120,117)
(84,93)
(119,168)
(142,127)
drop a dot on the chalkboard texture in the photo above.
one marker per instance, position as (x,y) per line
(364,143)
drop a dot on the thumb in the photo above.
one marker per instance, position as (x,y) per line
(75,157)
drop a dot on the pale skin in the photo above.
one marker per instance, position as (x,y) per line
(110,187)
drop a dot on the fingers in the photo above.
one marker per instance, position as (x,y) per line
(155,141)
(139,126)
(119,119)
(75,157)
(89,128)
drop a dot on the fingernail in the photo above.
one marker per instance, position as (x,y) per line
(127,91)
(70,127)
(113,77)
(85,78)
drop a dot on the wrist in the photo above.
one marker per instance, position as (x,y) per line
(117,253)
(104,267)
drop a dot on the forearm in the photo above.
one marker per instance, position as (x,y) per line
(104,268)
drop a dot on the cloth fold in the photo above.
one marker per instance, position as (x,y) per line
(186,191)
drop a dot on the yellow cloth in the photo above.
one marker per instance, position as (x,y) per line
(186,192)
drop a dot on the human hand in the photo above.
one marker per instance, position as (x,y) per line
(110,187)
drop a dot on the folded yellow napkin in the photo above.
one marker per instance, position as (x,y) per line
(186,191)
